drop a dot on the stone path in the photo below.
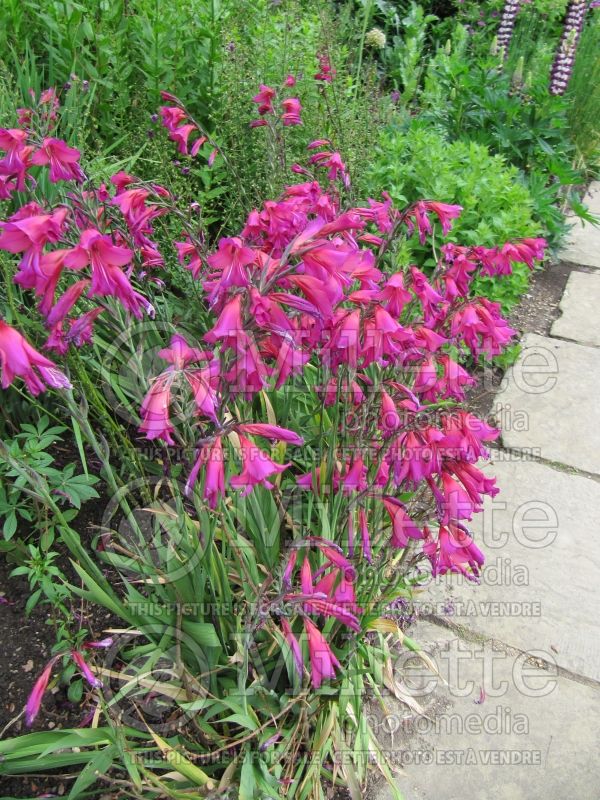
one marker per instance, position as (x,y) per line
(515,714)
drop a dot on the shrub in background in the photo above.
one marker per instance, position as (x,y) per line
(419,162)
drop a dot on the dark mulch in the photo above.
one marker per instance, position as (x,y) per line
(26,648)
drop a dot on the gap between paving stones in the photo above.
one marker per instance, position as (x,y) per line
(525,454)
(466,634)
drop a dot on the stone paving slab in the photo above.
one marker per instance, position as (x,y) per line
(583,243)
(592,197)
(535,736)
(549,403)
(580,306)
(539,588)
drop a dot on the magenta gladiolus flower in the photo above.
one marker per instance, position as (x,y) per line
(445,213)
(306,579)
(256,467)
(181,135)
(455,551)
(390,419)
(172,116)
(326,72)
(286,579)
(180,355)
(333,553)
(27,232)
(63,160)
(314,604)
(454,379)
(231,260)
(271,432)
(43,276)
(34,700)
(364,535)
(229,324)
(355,479)
(108,279)
(294,645)
(291,111)
(85,670)
(394,295)
(403,528)
(455,504)
(211,458)
(156,422)
(58,312)
(323,663)
(81,329)
(264,99)
(339,588)
(187,250)
(19,358)
(15,163)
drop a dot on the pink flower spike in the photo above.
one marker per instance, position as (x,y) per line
(85,670)
(34,700)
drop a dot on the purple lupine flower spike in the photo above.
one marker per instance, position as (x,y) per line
(507,26)
(564,58)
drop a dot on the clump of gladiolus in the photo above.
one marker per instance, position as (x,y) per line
(306,286)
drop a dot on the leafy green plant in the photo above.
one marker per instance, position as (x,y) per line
(415,161)
(19,505)
(403,59)
(584,97)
